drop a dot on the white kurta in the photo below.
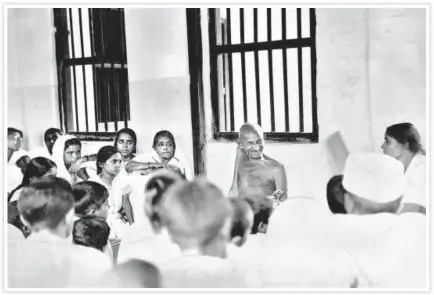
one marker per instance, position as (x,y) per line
(202,272)
(300,251)
(389,249)
(47,261)
(415,190)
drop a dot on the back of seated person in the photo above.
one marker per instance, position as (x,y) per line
(197,216)
(91,198)
(133,273)
(91,231)
(47,258)
(147,238)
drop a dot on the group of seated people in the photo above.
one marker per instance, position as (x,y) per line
(125,219)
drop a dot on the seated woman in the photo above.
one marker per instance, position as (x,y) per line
(67,156)
(38,169)
(50,137)
(164,156)
(125,142)
(109,163)
(402,142)
(91,231)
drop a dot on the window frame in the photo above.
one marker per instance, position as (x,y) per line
(65,84)
(215,50)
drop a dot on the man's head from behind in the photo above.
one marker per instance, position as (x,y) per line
(155,188)
(49,205)
(195,214)
(373,183)
(251,140)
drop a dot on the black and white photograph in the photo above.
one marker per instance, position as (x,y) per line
(242,147)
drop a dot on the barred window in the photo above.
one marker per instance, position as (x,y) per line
(92,70)
(263,70)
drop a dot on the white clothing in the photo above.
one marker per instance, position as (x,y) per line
(58,152)
(389,249)
(47,261)
(373,176)
(153,248)
(415,180)
(246,258)
(201,272)
(177,160)
(40,152)
(300,251)
(14,234)
(117,225)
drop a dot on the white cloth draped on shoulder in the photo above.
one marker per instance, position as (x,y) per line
(58,157)
(300,250)
(179,160)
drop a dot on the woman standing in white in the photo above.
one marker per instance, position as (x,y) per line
(402,142)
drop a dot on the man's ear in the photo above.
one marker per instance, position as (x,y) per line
(238,141)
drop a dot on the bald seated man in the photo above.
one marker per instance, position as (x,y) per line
(257,177)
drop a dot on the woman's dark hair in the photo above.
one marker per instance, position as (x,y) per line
(72,141)
(406,133)
(37,167)
(14,218)
(91,231)
(104,153)
(131,133)
(159,183)
(12,130)
(88,195)
(50,133)
(164,133)
(335,195)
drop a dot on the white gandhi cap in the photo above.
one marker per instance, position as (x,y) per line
(376,177)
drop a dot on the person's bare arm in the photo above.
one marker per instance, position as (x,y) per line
(128,209)
(411,207)
(135,166)
(281,183)
(82,173)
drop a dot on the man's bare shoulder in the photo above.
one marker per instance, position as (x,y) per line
(273,164)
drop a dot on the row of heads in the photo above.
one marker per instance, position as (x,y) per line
(125,140)
(193,211)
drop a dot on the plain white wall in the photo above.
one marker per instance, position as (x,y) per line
(32,78)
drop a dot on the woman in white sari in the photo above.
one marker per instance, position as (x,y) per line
(165,155)
(67,156)
(109,163)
